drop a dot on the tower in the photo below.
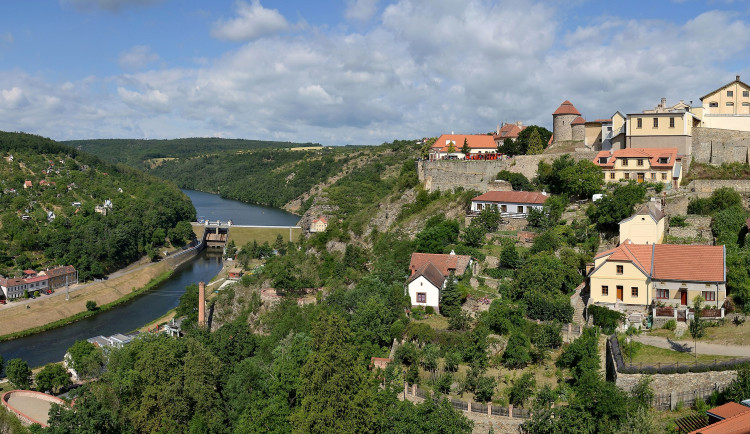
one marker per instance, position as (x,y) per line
(562,120)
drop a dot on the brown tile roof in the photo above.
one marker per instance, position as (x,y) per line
(36,279)
(690,263)
(513,197)
(650,209)
(429,272)
(60,271)
(739,424)
(730,409)
(578,121)
(508,131)
(321,219)
(566,108)
(653,155)
(443,262)
(475,141)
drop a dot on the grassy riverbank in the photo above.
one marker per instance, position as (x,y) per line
(86,314)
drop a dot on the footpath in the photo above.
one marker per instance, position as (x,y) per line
(687,346)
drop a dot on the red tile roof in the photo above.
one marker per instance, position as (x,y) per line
(508,131)
(322,219)
(29,272)
(60,271)
(513,197)
(739,424)
(730,409)
(691,263)
(578,121)
(444,263)
(566,108)
(475,141)
(429,272)
(36,279)
(653,155)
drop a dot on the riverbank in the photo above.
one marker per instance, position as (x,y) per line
(53,311)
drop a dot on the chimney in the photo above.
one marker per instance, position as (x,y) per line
(201,304)
(498,129)
(738,78)
(519,123)
(663,102)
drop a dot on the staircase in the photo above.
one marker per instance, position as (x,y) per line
(579,305)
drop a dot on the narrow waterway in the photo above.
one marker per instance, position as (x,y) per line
(50,346)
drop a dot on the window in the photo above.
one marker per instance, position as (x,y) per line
(653,176)
(713,104)
(656,122)
(479,207)
(662,293)
(624,161)
(671,122)
(664,176)
(520,208)
(730,104)
(709,295)
(603,160)
(745,104)
(605,290)
(504,208)
(627,175)
(634,291)
(730,93)
(640,162)
(612,175)
(745,93)
(421,297)
(640,122)
(619,269)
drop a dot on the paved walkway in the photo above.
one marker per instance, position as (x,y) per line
(687,346)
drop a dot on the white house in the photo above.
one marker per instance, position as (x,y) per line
(645,226)
(510,203)
(424,286)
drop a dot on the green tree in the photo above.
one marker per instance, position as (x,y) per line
(452,360)
(518,181)
(473,235)
(524,138)
(465,148)
(91,305)
(516,353)
(335,392)
(485,388)
(18,373)
(582,180)
(86,359)
(509,147)
(616,205)
(696,326)
(522,388)
(535,143)
(509,257)
(450,299)
(739,389)
(52,377)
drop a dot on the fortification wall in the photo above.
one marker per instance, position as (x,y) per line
(446,175)
(717,146)
(704,187)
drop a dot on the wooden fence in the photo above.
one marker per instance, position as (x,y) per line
(470,406)
(670,401)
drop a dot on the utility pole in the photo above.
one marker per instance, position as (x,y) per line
(67,289)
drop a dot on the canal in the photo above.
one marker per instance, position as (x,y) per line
(50,346)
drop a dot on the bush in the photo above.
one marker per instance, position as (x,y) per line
(91,305)
(420,332)
(546,307)
(677,221)
(516,353)
(605,318)
(484,389)
(443,384)
(522,389)
(452,360)
(429,310)
(406,354)
(670,325)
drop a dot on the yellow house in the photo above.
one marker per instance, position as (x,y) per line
(728,107)
(641,165)
(644,227)
(639,275)
(663,129)
(319,224)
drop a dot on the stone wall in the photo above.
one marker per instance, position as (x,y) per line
(689,381)
(717,146)
(446,175)
(704,187)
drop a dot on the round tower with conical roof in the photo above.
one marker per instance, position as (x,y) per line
(562,122)
(579,129)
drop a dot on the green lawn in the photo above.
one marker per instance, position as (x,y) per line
(242,236)
(650,355)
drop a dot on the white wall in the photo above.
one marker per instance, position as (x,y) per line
(420,284)
(512,208)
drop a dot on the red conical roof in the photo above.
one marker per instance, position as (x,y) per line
(578,121)
(566,108)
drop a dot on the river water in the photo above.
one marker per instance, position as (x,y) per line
(50,346)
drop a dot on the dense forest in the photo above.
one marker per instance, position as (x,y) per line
(135,153)
(53,219)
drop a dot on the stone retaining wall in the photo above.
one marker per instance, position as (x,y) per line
(717,146)
(689,381)
(704,187)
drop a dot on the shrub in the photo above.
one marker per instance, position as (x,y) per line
(443,384)
(546,307)
(406,354)
(677,221)
(605,318)
(429,310)
(522,389)
(670,325)
(516,353)
(420,332)
(484,389)
(91,305)
(452,359)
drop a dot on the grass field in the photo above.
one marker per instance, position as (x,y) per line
(242,236)
(650,355)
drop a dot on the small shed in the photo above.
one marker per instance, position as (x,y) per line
(235,273)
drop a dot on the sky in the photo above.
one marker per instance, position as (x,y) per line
(358,72)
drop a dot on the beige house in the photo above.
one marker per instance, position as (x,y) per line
(639,275)
(644,227)
(662,127)
(641,165)
(508,131)
(319,224)
(728,107)
(448,146)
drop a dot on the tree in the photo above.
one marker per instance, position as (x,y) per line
(86,359)
(452,147)
(485,388)
(522,142)
(52,377)
(18,373)
(739,389)
(509,257)
(509,147)
(535,143)
(696,326)
(90,305)
(516,353)
(465,148)
(522,389)
(450,299)
(518,181)
(452,360)
(473,235)
(616,205)
(581,180)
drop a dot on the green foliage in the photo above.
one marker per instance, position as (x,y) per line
(606,318)
(18,373)
(670,325)
(86,359)
(430,354)
(582,355)
(52,377)
(509,257)
(728,225)
(521,389)
(408,177)
(450,299)
(437,234)
(739,388)
(721,199)
(91,305)
(465,149)
(523,142)
(677,221)
(616,205)
(516,353)
(548,274)
(461,320)
(518,181)
(452,360)
(535,143)
(443,383)
(509,147)
(485,388)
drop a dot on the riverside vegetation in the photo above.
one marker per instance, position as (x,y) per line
(281,366)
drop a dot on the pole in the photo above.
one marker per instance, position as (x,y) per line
(67,289)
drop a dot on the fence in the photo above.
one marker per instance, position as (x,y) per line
(670,401)
(470,406)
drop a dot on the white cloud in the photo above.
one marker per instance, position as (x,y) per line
(13,98)
(137,57)
(107,5)
(360,10)
(152,99)
(253,21)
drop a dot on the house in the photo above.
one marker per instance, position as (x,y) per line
(448,146)
(645,226)
(727,418)
(429,272)
(319,224)
(235,273)
(99,209)
(662,127)
(641,165)
(12,287)
(27,184)
(61,276)
(508,131)
(379,362)
(727,107)
(510,203)
(639,274)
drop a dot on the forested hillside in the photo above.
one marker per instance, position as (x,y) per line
(135,153)
(49,194)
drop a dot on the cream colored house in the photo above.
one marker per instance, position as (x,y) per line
(319,224)
(641,165)
(448,146)
(644,227)
(661,129)
(728,107)
(638,274)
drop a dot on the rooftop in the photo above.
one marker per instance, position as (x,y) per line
(475,141)
(566,108)
(445,263)
(513,197)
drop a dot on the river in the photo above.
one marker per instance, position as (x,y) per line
(50,346)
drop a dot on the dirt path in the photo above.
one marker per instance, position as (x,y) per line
(16,316)
(703,347)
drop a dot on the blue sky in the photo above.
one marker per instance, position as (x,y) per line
(351,71)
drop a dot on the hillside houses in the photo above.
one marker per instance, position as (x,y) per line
(429,272)
(49,279)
